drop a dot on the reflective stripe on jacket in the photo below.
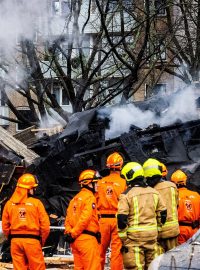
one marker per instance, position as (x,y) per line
(82,214)
(169,194)
(142,205)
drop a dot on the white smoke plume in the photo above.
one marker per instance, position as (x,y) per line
(22,19)
(18,19)
(182,107)
(35,20)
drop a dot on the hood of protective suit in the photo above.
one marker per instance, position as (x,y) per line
(20,195)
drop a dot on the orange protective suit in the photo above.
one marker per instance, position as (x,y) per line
(25,221)
(188,213)
(109,190)
(82,216)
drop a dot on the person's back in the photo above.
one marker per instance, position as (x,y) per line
(188,208)
(188,213)
(82,225)
(169,194)
(109,190)
(140,211)
(168,233)
(78,220)
(27,218)
(145,205)
(26,223)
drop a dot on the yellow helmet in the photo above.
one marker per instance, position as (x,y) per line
(179,177)
(131,171)
(164,170)
(114,161)
(27,181)
(152,167)
(88,176)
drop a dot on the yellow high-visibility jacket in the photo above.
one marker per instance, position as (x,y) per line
(169,194)
(141,207)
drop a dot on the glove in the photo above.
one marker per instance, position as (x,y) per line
(124,249)
(98,237)
(68,238)
(195,224)
(163,216)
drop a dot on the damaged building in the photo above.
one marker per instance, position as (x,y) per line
(58,159)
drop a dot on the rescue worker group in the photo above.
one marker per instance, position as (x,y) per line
(135,211)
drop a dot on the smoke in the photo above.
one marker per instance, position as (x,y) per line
(179,106)
(34,20)
(122,117)
(18,20)
(182,106)
(51,124)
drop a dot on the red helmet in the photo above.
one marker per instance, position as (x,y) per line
(88,176)
(27,181)
(115,161)
(179,178)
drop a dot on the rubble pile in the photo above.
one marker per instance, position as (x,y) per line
(58,159)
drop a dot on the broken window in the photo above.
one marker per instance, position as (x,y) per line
(60,95)
(159,88)
(28,114)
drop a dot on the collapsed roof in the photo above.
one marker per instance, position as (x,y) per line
(83,145)
(14,157)
(57,160)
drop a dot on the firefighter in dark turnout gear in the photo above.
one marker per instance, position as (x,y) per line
(140,211)
(168,233)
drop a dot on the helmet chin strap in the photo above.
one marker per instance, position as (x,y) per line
(31,194)
(91,188)
(115,169)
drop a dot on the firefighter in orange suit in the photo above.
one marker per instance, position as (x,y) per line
(82,225)
(109,190)
(140,210)
(188,209)
(168,233)
(26,223)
